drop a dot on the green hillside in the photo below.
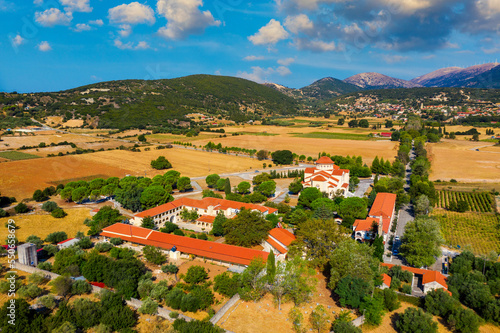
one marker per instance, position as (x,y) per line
(139,103)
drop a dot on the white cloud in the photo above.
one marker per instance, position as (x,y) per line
(315,45)
(491,51)
(259,74)
(44,46)
(184,18)
(407,7)
(428,57)
(96,22)
(17,40)
(286,61)
(271,33)
(488,8)
(299,23)
(392,59)
(126,30)
(142,45)
(38,2)
(71,6)
(133,13)
(52,17)
(82,27)
(254,58)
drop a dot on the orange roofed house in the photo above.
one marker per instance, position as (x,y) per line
(222,253)
(426,280)
(278,241)
(382,214)
(327,177)
(207,209)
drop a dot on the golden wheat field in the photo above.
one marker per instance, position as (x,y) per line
(42,224)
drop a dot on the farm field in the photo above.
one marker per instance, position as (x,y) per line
(16,155)
(311,147)
(477,230)
(43,224)
(467,187)
(452,159)
(13,142)
(327,135)
(482,202)
(168,138)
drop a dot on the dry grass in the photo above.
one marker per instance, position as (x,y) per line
(452,159)
(13,142)
(311,147)
(43,224)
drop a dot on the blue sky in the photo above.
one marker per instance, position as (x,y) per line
(50,45)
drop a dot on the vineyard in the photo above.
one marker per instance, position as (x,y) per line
(477,230)
(482,202)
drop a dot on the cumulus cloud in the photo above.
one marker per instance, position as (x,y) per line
(142,45)
(82,27)
(254,58)
(392,59)
(184,18)
(260,74)
(286,61)
(314,45)
(71,6)
(52,17)
(299,23)
(44,46)
(125,30)
(271,33)
(17,40)
(132,13)
(98,23)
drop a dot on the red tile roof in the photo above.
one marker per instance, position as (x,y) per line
(427,275)
(386,279)
(319,179)
(206,219)
(203,204)
(345,185)
(283,236)
(198,247)
(309,170)
(276,245)
(365,225)
(64,241)
(383,205)
(324,160)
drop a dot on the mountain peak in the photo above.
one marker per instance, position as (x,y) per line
(372,80)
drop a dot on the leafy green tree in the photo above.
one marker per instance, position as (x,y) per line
(47,301)
(378,248)
(148,306)
(56,237)
(464,320)
(414,320)
(352,291)
(38,196)
(170,268)
(319,319)
(147,222)
(295,315)
(130,196)
(271,267)
(141,138)
(30,291)
(105,217)
(252,280)
(317,239)
(58,213)
(352,258)
(227,186)
(391,301)
(308,195)
(154,195)
(248,228)
(184,184)
(154,255)
(25,318)
(80,287)
(212,179)
(86,313)
(221,183)
(282,157)
(295,186)
(244,187)
(226,284)
(103,247)
(49,206)
(21,208)
(353,207)
(261,177)
(373,308)
(341,121)
(363,123)
(161,163)
(218,224)
(116,241)
(421,241)
(267,188)
(422,205)
(183,326)
(439,303)
(262,155)
(80,193)
(61,285)
(195,275)
(35,240)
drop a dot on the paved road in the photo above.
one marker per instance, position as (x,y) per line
(363,186)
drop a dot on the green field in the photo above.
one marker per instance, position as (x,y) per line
(328,135)
(478,201)
(480,231)
(17,155)
(258,133)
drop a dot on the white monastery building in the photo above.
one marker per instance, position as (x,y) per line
(327,177)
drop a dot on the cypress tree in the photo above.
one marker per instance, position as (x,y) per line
(375,165)
(271,268)
(227,186)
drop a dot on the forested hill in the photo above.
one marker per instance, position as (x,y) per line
(418,96)
(136,103)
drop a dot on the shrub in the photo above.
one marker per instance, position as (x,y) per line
(39,196)
(49,206)
(154,255)
(61,285)
(148,306)
(3,213)
(51,249)
(116,241)
(58,213)
(21,208)
(173,314)
(35,240)
(195,275)
(85,243)
(169,227)
(47,301)
(37,278)
(415,320)
(406,289)
(203,236)
(103,247)
(46,266)
(179,232)
(391,301)
(160,163)
(30,291)
(80,287)
(56,237)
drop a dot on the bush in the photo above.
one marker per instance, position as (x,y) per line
(173,314)
(415,320)
(30,291)
(35,240)
(47,301)
(46,266)
(406,289)
(154,255)
(148,306)
(464,320)
(103,247)
(391,301)
(81,287)
(85,243)
(179,232)
(195,275)
(51,249)
(3,213)
(202,236)
(160,163)
(61,285)
(58,213)
(56,237)
(21,208)
(116,241)
(39,196)
(37,278)
(49,206)
(169,227)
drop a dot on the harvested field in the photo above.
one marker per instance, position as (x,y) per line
(311,147)
(169,138)
(17,155)
(459,160)
(341,136)
(477,230)
(13,142)
(43,224)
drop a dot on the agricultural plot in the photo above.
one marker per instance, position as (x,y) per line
(482,202)
(340,136)
(477,230)
(17,155)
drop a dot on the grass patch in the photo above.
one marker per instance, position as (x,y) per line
(17,155)
(477,230)
(416,301)
(338,136)
(87,178)
(259,133)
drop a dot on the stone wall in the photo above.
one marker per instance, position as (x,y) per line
(224,309)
